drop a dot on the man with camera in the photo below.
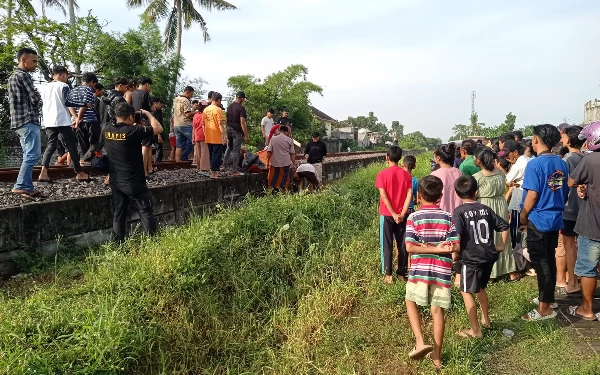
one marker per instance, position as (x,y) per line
(126,167)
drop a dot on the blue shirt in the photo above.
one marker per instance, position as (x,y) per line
(84,95)
(415,188)
(548,176)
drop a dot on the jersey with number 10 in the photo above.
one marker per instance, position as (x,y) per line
(475,224)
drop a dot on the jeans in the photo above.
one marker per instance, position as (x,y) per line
(31,143)
(66,136)
(88,136)
(183,136)
(542,247)
(588,256)
(215,153)
(143,205)
(232,154)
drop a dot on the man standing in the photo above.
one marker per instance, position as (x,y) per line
(213,120)
(57,121)
(467,149)
(24,104)
(281,158)
(140,99)
(157,111)
(285,120)
(126,167)
(236,129)
(182,123)
(315,153)
(265,126)
(87,124)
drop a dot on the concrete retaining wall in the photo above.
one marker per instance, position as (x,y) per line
(39,226)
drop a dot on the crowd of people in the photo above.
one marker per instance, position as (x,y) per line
(120,132)
(494,210)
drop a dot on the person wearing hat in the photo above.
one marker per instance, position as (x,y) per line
(236,132)
(315,152)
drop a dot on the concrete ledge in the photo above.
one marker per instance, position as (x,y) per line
(88,220)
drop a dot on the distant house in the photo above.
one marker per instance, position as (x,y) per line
(362,136)
(324,118)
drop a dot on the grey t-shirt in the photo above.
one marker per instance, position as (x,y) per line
(267,124)
(572,207)
(588,173)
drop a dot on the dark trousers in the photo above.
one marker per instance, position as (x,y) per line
(65,136)
(515,224)
(88,135)
(542,253)
(234,145)
(389,231)
(158,155)
(215,154)
(143,205)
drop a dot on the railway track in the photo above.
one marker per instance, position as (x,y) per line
(56,172)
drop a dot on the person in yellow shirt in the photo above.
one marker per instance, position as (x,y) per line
(214,131)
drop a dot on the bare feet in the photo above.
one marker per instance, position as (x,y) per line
(436,360)
(388,279)
(469,333)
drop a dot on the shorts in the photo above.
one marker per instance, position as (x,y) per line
(588,256)
(473,279)
(569,229)
(428,294)
(173,141)
(183,135)
(310,177)
(147,141)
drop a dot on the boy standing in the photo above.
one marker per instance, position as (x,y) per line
(409,164)
(395,192)
(545,193)
(430,238)
(475,224)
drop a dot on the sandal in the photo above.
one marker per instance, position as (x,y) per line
(534,316)
(573,312)
(416,355)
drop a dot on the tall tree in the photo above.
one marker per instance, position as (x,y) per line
(398,128)
(180,16)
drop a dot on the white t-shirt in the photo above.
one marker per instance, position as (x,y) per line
(516,174)
(306,168)
(54,112)
(267,124)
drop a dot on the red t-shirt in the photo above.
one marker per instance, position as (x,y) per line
(396,182)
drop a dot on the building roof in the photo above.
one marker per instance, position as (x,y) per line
(321,115)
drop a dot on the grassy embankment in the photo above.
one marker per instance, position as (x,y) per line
(285,285)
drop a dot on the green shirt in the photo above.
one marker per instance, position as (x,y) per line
(468,166)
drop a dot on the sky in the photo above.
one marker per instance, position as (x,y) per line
(415,61)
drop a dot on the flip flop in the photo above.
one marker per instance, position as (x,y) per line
(573,312)
(22,194)
(37,194)
(534,316)
(46,180)
(416,355)
(466,335)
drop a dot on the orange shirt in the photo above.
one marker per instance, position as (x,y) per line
(211,119)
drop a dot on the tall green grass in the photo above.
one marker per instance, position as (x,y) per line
(280,285)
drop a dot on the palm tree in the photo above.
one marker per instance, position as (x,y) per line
(181,15)
(59,5)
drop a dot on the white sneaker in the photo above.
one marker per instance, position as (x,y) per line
(536,301)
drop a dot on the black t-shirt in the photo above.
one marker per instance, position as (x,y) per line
(234,112)
(475,224)
(140,99)
(125,162)
(114,98)
(316,151)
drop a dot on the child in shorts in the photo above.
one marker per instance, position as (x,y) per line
(475,224)
(430,239)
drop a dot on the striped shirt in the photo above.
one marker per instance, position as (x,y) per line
(431,225)
(85,95)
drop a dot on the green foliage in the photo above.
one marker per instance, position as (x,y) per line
(398,128)
(417,141)
(370,122)
(286,89)
(462,132)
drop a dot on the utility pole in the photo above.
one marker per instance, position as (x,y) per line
(474,116)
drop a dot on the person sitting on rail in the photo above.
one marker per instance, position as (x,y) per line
(126,166)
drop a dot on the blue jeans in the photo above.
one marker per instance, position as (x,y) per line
(588,256)
(31,143)
(183,136)
(215,154)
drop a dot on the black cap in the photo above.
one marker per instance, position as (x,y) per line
(509,146)
(241,94)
